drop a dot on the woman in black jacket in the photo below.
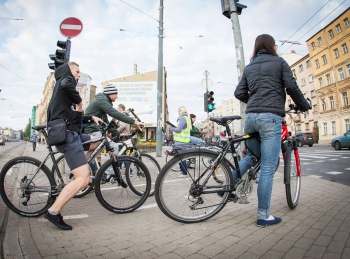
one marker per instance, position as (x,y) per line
(263,88)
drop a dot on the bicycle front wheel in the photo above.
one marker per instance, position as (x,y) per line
(153,168)
(25,188)
(193,198)
(292,179)
(113,193)
(67,175)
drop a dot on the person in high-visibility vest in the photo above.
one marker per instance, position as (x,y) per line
(182,135)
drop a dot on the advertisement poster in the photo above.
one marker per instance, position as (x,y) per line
(140,96)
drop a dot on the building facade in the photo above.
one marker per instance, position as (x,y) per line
(330,60)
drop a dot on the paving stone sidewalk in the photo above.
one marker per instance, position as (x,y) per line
(318,228)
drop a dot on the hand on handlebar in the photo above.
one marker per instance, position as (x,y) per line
(97,120)
(140,125)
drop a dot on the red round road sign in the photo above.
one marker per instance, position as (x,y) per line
(71,27)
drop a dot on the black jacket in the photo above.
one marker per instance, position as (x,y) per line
(65,96)
(264,84)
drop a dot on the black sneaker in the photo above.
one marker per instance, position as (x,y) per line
(57,220)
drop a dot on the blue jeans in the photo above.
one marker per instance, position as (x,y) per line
(184,164)
(195,140)
(269,126)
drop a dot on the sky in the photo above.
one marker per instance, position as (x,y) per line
(120,33)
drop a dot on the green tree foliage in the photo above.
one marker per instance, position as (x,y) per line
(27,130)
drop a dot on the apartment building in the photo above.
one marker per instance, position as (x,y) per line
(308,122)
(330,61)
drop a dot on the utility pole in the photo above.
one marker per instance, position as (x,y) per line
(239,53)
(159,140)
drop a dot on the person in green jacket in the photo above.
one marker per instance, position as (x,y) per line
(194,131)
(103,106)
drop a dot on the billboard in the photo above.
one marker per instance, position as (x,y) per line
(142,97)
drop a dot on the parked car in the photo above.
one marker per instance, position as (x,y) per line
(341,141)
(303,138)
(2,140)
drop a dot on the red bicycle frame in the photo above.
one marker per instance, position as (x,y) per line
(284,137)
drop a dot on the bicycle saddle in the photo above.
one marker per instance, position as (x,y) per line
(225,120)
(39,127)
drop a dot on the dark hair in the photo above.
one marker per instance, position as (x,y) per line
(264,41)
(192,116)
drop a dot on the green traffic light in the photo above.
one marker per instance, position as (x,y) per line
(211,107)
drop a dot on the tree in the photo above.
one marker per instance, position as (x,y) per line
(27,129)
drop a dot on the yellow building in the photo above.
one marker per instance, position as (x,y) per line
(330,60)
(139,92)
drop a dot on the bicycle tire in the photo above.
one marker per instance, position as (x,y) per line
(67,173)
(175,197)
(115,198)
(176,167)
(33,203)
(292,180)
(153,168)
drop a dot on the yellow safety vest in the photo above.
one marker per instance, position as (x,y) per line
(184,135)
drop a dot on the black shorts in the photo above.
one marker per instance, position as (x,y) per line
(73,149)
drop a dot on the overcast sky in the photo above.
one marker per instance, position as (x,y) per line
(105,52)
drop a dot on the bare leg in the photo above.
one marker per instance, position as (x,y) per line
(81,179)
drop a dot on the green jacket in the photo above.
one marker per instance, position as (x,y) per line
(194,131)
(101,107)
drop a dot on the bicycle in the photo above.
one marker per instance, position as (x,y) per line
(29,188)
(195,198)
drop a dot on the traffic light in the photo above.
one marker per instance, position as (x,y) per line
(61,56)
(208,101)
(225,6)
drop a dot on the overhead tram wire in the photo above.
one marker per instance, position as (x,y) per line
(317,24)
(306,22)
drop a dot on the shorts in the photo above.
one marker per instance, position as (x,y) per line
(73,149)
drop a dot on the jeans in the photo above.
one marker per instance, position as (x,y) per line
(195,140)
(269,126)
(184,164)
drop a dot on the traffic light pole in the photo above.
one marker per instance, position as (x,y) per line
(159,140)
(239,53)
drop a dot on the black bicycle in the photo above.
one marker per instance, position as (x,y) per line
(195,198)
(29,188)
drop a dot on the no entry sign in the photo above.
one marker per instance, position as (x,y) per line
(71,27)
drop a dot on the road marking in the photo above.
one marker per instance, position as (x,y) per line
(334,172)
(334,159)
(347,168)
(314,176)
(149,206)
(81,216)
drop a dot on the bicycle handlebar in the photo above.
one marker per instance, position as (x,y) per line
(293,107)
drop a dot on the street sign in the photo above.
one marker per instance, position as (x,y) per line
(71,27)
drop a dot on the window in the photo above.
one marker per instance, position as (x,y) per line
(311,78)
(307,126)
(331,101)
(334,130)
(294,72)
(320,81)
(314,107)
(301,68)
(298,127)
(338,27)
(325,128)
(313,93)
(347,124)
(323,104)
(308,63)
(346,22)
(317,63)
(305,95)
(303,81)
(324,58)
(348,67)
(313,46)
(331,35)
(345,48)
(329,80)
(336,53)
(345,99)
(319,40)
(341,74)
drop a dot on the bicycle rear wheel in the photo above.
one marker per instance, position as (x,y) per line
(116,195)
(153,168)
(292,180)
(24,191)
(183,199)
(67,175)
